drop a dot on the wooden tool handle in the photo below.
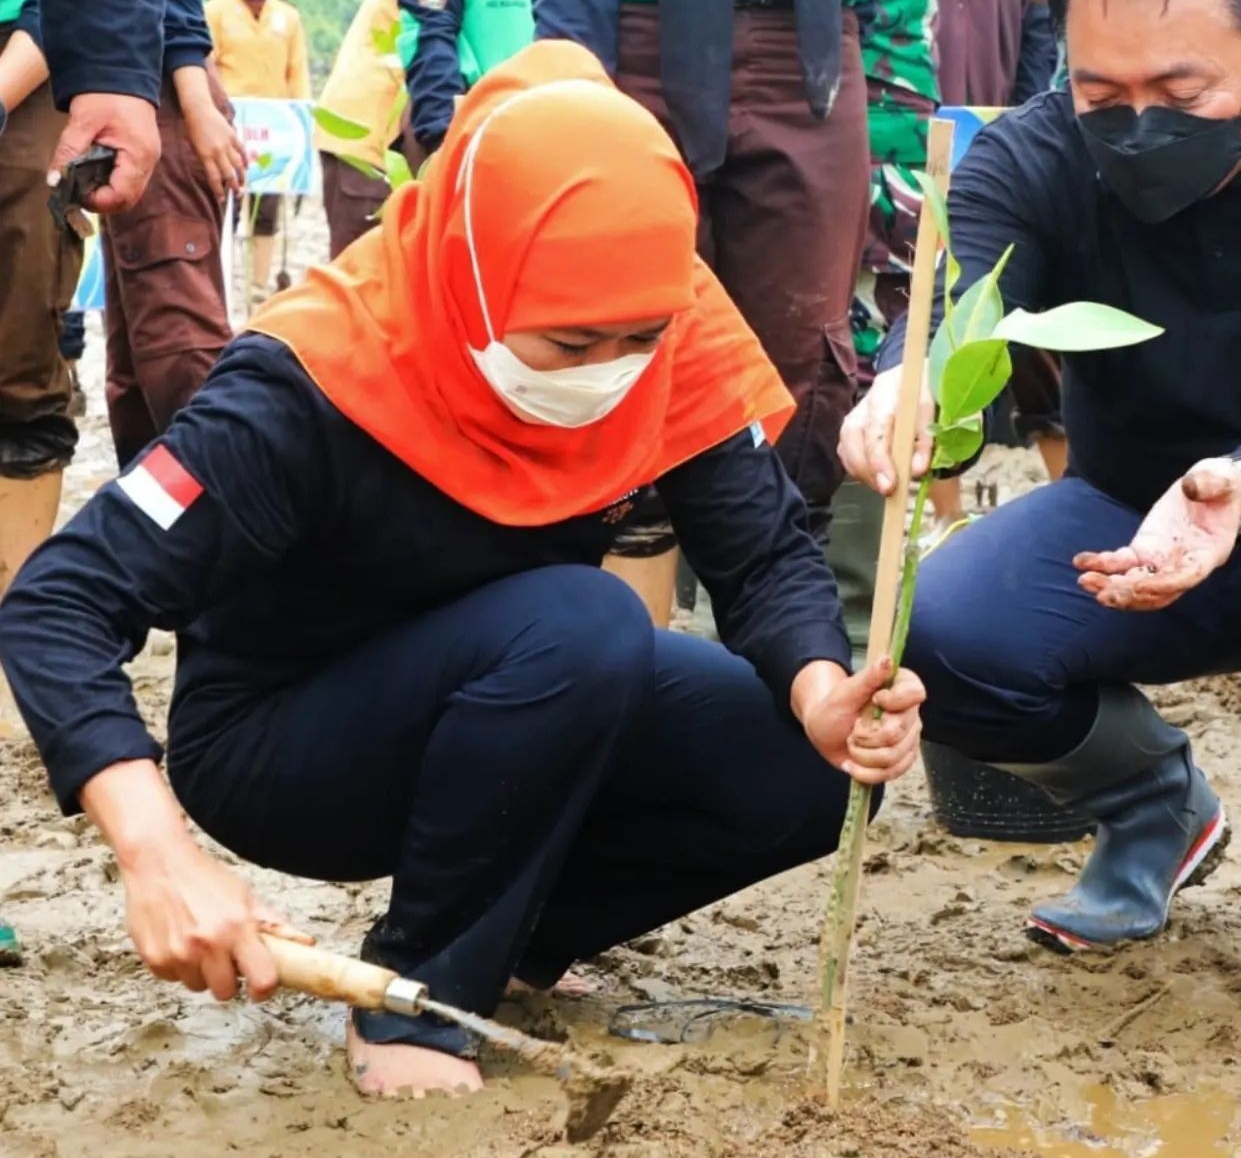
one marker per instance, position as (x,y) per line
(331,976)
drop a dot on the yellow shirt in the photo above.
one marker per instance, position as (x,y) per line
(365,85)
(262,56)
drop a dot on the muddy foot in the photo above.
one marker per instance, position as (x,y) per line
(406,1070)
(572,985)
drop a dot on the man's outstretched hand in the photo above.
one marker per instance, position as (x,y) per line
(1190,532)
(124,123)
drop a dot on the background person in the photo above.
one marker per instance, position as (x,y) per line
(41,264)
(898,55)
(166,302)
(37,435)
(777,142)
(446,48)
(365,86)
(260,51)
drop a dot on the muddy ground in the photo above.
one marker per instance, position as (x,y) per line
(967,1041)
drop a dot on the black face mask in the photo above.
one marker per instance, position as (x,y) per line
(1161,161)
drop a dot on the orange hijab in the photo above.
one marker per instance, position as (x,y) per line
(582,214)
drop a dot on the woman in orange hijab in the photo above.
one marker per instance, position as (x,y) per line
(377,531)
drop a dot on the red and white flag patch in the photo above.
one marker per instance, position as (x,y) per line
(161,488)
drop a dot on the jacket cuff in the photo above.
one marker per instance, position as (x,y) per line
(189,57)
(29,23)
(792,651)
(88,747)
(71,81)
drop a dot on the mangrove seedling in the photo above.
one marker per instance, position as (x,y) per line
(968,366)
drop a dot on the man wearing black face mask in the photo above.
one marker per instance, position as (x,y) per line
(1025,632)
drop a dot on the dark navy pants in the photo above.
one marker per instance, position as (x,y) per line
(541,772)
(1012,651)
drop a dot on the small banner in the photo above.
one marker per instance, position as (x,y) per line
(89,295)
(278,137)
(968,122)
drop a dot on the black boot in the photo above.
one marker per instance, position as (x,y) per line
(1160,826)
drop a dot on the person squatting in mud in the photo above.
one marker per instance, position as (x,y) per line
(377,531)
(1026,627)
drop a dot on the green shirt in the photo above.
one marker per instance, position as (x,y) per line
(491,32)
(10,10)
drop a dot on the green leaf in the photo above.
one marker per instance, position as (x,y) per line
(952,275)
(398,169)
(1076,327)
(338,126)
(263,161)
(937,359)
(366,167)
(938,203)
(975,315)
(956,443)
(973,377)
(398,107)
(384,39)
(987,310)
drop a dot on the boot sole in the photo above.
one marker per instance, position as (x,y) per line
(1206,855)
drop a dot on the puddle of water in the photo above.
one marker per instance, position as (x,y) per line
(1177,1126)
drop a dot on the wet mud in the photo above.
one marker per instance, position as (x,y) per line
(966,1040)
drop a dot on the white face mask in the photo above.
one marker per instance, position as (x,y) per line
(572,397)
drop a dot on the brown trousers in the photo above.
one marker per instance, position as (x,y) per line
(39,269)
(350,199)
(167,318)
(783,222)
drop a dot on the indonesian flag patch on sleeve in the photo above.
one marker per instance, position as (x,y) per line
(161,488)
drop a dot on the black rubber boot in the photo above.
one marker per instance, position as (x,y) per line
(1160,826)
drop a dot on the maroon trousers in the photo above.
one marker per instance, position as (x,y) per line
(783,221)
(167,318)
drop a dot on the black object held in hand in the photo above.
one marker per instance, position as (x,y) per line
(78,180)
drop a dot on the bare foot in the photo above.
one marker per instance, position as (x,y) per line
(392,1070)
(570,985)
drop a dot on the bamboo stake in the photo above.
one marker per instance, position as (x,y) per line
(838,929)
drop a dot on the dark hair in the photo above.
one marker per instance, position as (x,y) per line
(1060,9)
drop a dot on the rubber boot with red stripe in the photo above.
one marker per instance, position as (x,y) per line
(1160,826)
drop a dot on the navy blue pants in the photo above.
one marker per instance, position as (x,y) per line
(542,773)
(73,335)
(1012,651)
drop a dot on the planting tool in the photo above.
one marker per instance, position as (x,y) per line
(593,1091)
(838,928)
